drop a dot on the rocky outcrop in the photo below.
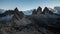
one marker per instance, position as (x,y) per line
(34,12)
(39,10)
(11,15)
(7,12)
(47,11)
(19,14)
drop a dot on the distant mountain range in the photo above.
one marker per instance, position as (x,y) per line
(7,14)
(55,10)
(29,12)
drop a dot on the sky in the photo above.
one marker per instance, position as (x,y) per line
(27,4)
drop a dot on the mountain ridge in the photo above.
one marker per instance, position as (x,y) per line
(41,22)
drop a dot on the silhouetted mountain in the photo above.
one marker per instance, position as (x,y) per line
(39,10)
(8,15)
(34,11)
(47,11)
(16,9)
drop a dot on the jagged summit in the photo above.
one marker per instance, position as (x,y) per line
(18,14)
(16,9)
(39,10)
(46,10)
(34,11)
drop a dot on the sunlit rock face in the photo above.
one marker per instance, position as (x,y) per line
(47,11)
(9,14)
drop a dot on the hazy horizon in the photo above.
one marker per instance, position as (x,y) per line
(27,4)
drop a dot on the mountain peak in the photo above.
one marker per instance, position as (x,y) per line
(34,11)
(39,7)
(46,10)
(16,9)
(39,10)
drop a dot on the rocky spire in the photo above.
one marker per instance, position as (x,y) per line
(39,10)
(34,11)
(18,14)
(46,10)
(16,9)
